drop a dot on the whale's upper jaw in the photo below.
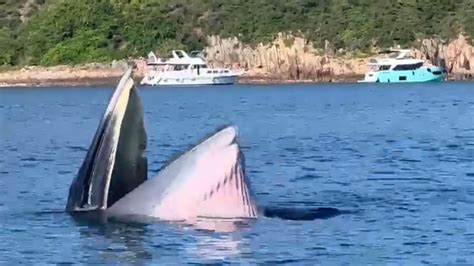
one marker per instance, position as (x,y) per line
(115,163)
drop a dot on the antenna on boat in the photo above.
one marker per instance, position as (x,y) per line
(197,53)
(152,57)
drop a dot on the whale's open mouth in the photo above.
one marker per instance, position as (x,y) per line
(208,180)
(115,163)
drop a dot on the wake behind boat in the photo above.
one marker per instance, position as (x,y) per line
(399,66)
(184,69)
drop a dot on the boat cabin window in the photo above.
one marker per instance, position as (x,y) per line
(179,54)
(384,67)
(198,66)
(180,67)
(393,55)
(408,67)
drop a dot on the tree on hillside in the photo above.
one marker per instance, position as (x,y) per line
(7,48)
(71,32)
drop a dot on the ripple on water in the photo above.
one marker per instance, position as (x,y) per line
(306,177)
(406,160)
(155,171)
(292,150)
(28,159)
(381,172)
(77,148)
(401,179)
(63,172)
(452,146)
(28,165)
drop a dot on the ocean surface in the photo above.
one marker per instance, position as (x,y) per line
(398,159)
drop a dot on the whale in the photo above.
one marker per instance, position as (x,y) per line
(208,181)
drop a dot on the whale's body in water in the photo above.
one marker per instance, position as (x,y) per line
(208,181)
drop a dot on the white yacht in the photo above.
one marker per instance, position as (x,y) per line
(184,69)
(399,66)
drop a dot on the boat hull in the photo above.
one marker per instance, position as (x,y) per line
(424,74)
(222,80)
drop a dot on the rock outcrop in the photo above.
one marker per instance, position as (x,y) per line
(457,56)
(295,58)
(287,58)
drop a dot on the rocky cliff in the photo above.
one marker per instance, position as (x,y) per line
(457,56)
(294,58)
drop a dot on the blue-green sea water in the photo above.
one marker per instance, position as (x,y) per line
(399,158)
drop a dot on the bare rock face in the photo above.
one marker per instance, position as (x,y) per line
(457,56)
(290,58)
(295,58)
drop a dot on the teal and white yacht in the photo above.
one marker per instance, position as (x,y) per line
(399,66)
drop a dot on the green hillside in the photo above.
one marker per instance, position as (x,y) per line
(77,31)
(13,12)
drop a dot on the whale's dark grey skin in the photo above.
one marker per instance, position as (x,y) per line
(115,163)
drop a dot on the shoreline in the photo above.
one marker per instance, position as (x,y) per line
(110,81)
(63,76)
(114,81)
(83,76)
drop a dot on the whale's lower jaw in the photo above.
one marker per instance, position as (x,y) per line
(207,182)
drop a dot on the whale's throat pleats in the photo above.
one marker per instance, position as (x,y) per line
(115,163)
(208,181)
